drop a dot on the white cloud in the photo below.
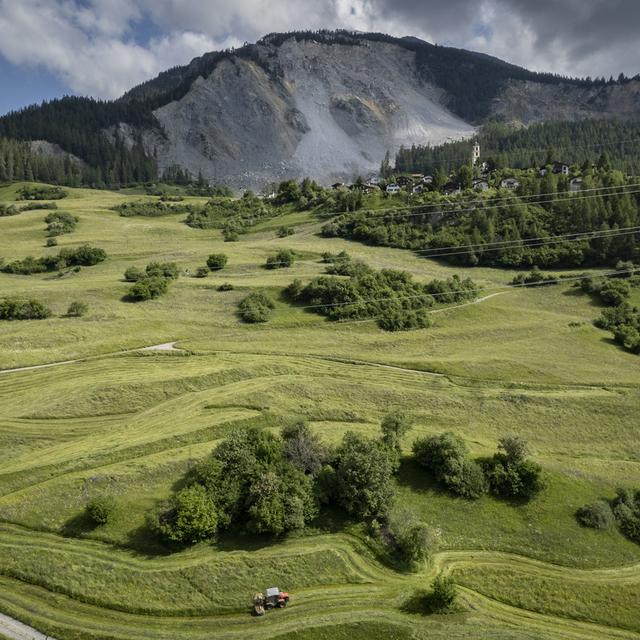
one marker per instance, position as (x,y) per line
(91,44)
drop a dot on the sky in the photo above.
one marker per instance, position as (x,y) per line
(102,48)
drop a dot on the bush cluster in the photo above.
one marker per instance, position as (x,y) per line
(8,210)
(256,307)
(621,318)
(85,256)
(623,510)
(20,309)
(77,309)
(281,260)
(152,282)
(41,193)
(534,278)
(60,222)
(150,209)
(393,298)
(35,206)
(508,474)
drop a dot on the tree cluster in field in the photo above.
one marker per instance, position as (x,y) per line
(620,317)
(217,261)
(474,229)
(623,510)
(309,195)
(281,260)
(23,309)
(84,256)
(503,146)
(391,297)
(33,192)
(152,282)
(508,474)
(234,217)
(60,222)
(255,308)
(151,209)
(262,483)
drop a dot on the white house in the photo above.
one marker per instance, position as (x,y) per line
(480,185)
(575,185)
(393,188)
(510,183)
(561,167)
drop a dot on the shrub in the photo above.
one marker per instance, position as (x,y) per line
(9,210)
(256,307)
(442,597)
(51,242)
(446,457)
(149,209)
(225,286)
(394,427)
(101,509)
(281,260)
(510,474)
(85,255)
(597,515)
(202,272)
(614,292)
(414,541)
(190,517)
(133,274)
(77,309)
(283,232)
(534,278)
(60,222)
(626,510)
(216,261)
(168,270)
(148,287)
(18,309)
(41,193)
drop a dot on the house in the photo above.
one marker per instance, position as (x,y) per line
(419,188)
(393,188)
(510,183)
(337,185)
(417,177)
(575,185)
(404,181)
(373,180)
(480,185)
(427,179)
(451,188)
(370,188)
(560,167)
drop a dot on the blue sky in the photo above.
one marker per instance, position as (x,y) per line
(101,48)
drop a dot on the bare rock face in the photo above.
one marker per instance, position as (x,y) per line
(51,150)
(326,111)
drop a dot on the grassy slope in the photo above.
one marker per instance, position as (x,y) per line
(526,361)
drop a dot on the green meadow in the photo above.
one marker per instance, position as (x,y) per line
(111,418)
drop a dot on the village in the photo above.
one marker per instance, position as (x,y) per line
(482,177)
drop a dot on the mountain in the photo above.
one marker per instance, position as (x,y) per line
(324,104)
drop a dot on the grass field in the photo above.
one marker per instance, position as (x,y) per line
(525,361)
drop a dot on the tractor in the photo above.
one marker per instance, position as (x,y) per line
(273,598)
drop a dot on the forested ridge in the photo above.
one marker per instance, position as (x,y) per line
(505,146)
